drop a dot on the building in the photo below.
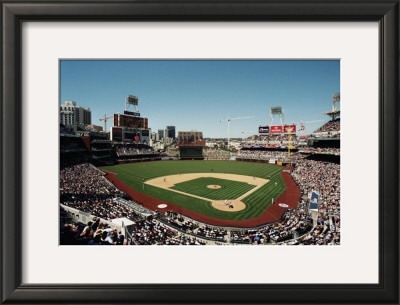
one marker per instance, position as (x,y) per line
(154,137)
(171,132)
(168,141)
(71,114)
(160,134)
(192,137)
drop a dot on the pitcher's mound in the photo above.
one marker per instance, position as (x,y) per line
(214,186)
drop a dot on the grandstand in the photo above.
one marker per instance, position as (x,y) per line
(118,206)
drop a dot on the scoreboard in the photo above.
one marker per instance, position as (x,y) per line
(123,120)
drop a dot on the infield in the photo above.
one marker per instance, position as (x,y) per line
(233,188)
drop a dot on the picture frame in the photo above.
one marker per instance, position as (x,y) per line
(14,14)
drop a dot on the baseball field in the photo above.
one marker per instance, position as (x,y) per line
(219,189)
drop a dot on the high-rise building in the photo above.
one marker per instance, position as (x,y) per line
(165,134)
(161,134)
(171,132)
(71,114)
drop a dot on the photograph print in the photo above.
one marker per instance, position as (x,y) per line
(199,152)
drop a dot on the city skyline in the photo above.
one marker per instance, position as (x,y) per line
(198,94)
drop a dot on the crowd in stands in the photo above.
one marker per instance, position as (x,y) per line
(179,222)
(216,154)
(104,208)
(332,125)
(153,232)
(295,222)
(325,135)
(313,175)
(93,233)
(211,233)
(269,139)
(263,155)
(187,225)
(326,232)
(130,151)
(85,188)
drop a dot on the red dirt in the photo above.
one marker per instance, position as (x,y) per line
(272,214)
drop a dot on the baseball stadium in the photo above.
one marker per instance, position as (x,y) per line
(128,185)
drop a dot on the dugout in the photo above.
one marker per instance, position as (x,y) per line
(191,152)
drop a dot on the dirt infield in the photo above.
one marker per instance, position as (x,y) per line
(167,182)
(272,214)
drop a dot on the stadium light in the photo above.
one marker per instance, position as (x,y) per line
(228,119)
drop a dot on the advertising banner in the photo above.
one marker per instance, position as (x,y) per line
(314,201)
(276,129)
(263,129)
(117,134)
(132,113)
(116,122)
(291,128)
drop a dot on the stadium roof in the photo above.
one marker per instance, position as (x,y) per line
(323,139)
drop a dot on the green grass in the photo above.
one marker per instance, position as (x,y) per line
(256,203)
(229,189)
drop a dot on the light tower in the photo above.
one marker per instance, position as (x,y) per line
(228,119)
(335,113)
(277,111)
(132,100)
(335,101)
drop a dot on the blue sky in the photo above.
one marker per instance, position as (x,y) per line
(197,94)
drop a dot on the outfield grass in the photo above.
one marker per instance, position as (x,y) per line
(256,203)
(229,189)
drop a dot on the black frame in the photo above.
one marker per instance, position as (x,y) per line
(14,13)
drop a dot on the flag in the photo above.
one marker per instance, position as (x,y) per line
(302,127)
